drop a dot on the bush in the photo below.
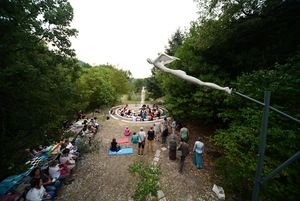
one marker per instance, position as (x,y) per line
(149,175)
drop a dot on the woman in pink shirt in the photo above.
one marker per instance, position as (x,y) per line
(127,131)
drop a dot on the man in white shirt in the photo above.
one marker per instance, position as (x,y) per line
(142,138)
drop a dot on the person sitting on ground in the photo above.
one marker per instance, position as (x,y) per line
(68,161)
(96,123)
(92,129)
(58,172)
(114,145)
(38,192)
(135,138)
(127,131)
(73,152)
(47,181)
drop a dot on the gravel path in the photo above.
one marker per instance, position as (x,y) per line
(102,177)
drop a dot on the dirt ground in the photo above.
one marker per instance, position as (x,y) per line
(103,177)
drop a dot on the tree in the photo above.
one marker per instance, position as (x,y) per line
(240,140)
(36,84)
(25,24)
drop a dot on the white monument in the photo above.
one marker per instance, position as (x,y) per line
(163,59)
(143,96)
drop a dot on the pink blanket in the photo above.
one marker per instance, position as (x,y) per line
(122,140)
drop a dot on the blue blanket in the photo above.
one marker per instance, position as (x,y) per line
(128,150)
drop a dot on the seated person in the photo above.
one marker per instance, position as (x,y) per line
(96,123)
(38,192)
(55,170)
(114,145)
(135,138)
(48,183)
(59,172)
(68,161)
(73,152)
(127,131)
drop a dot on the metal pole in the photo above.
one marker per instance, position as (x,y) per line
(270,107)
(280,167)
(262,146)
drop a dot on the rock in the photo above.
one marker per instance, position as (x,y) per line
(156,159)
(219,192)
(160,194)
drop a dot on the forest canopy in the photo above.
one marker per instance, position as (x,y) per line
(41,87)
(251,46)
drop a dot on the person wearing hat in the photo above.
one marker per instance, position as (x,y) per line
(142,138)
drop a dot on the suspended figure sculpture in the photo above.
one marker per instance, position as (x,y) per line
(163,59)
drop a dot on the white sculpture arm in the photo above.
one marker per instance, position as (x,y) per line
(165,59)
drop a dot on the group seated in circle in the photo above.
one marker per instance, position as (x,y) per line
(144,113)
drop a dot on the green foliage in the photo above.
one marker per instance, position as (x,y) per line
(154,91)
(25,24)
(42,87)
(240,140)
(149,177)
(246,45)
(100,86)
(85,147)
(137,85)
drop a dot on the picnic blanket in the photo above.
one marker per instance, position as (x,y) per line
(11,181)
(122,140)
(128,150)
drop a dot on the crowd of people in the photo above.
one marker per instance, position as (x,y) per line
(145,113)
(174,135)
(45,182)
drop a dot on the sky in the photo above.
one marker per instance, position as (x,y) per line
(124,33)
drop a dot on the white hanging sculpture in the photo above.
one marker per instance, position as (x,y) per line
(163,59)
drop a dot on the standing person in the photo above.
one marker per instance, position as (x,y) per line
(198,153)
(165,131)
(150,138)
(184,147)
(173,126)
(172,142)
(184,134)
(142,137)
(157,129)
(135,138)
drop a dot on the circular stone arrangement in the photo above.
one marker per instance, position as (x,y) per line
(115,113)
